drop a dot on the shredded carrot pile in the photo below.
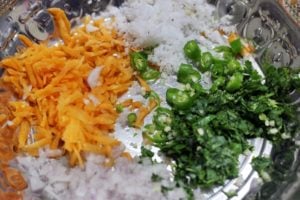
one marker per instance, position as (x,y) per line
(11,181)
(56,106)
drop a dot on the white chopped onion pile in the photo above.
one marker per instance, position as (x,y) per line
(53,179)
(168,25)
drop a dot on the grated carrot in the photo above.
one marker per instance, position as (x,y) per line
(144,84)
(136,104)
(3,117)
(62,24)
(11,195)
(143,112)
(52,90)
(127,103)
(14,178)
(232,36)
(247,49)
(26,41)
(23,133)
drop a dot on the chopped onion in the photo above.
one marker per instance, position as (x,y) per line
(93,77)
(90,28)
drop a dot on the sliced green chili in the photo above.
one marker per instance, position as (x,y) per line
(197,87)
(186,74)
(206,61)
(222,49)
(150,74)
(131,118)
(162,118)
(218,68)
(179,99)
(152,134)
(149,129)
(233,66)
(119,108)
(138,61)
(152,95)
(218,83)
(235,82)
(192,50)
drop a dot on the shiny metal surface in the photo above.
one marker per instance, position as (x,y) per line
(32,18)
(264,22)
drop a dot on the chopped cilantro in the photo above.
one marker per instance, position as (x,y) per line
(146,153)
(206,138)
(156,178)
